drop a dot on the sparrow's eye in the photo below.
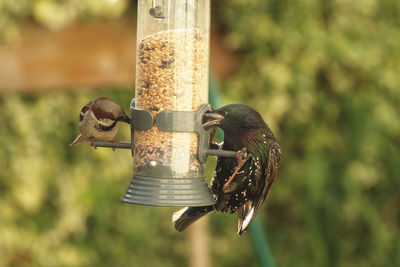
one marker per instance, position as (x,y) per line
(84,109)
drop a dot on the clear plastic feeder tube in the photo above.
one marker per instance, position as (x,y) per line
(171,75)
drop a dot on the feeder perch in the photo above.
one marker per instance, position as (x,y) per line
(168,142)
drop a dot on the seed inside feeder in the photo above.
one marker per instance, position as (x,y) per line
(171,74)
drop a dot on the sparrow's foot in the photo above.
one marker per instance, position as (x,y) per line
(91,140)
(115,141)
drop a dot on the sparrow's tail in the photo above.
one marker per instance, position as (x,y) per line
(78,140)
(185,217)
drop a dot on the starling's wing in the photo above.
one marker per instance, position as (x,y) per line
(249,210)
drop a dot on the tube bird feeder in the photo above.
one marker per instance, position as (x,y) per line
(169,144)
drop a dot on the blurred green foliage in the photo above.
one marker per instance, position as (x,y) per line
(55,14)
(59,206)
(324,75)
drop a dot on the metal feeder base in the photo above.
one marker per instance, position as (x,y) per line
(156,191)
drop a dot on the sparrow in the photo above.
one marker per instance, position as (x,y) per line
(242,183)
(98,121)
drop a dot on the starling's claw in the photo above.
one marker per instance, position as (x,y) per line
(241,157)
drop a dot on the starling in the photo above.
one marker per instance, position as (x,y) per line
(239,184)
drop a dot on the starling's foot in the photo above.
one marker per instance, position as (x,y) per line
(241,157)
(230,187)
(91,140)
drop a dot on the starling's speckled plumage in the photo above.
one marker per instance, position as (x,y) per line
(245,131)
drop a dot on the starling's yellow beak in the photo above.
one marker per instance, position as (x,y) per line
(212,119)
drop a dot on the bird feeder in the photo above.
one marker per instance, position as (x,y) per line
(171,98)
(169,144)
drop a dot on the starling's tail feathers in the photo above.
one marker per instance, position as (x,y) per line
(187,216)
(246,214)
(78,140)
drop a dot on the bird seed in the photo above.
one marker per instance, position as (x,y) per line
(171,74)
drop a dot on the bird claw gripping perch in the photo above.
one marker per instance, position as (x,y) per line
(92,142)
(114,143)
(241,157)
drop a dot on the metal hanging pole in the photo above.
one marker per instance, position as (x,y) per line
(123,145)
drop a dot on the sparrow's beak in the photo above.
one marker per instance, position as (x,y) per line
(212,119)
(126,119)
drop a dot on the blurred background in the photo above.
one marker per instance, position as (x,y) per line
(324,75)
